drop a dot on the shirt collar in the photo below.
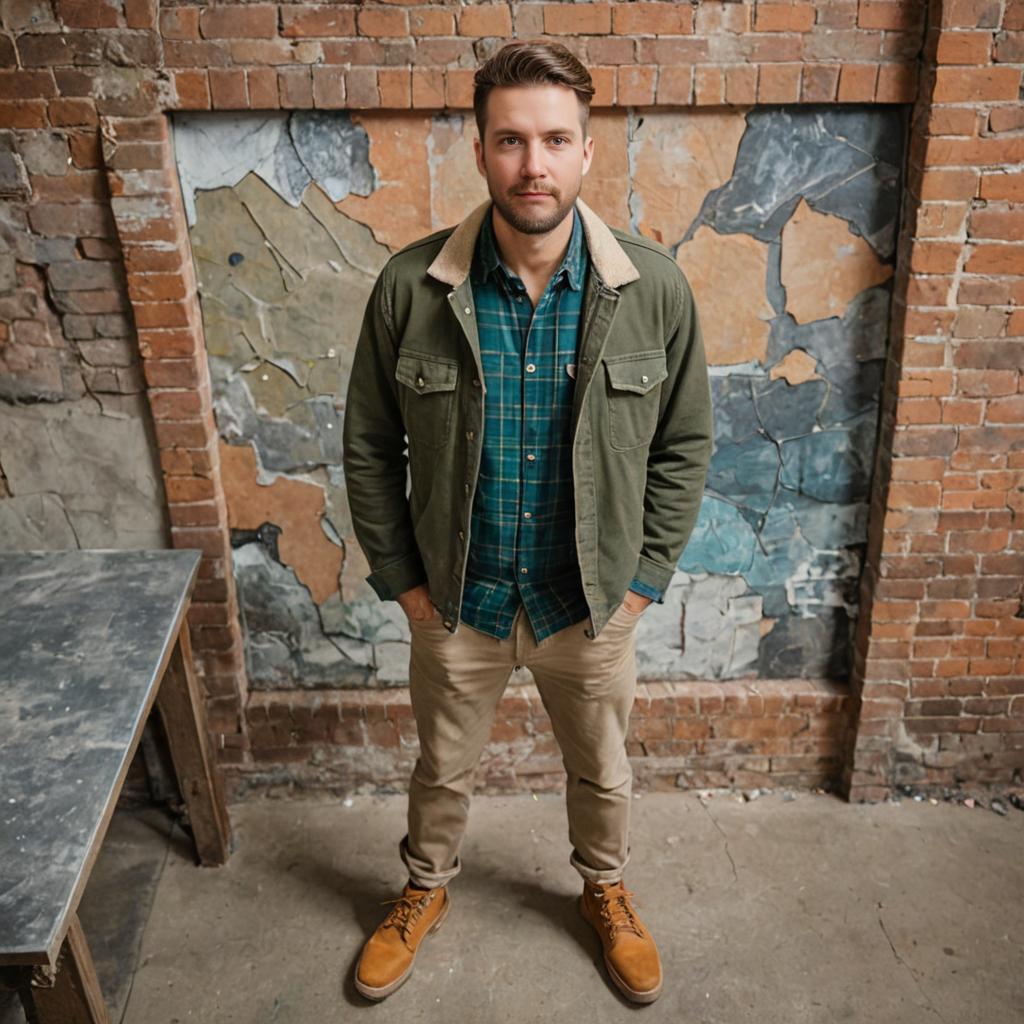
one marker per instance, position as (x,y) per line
(487,260)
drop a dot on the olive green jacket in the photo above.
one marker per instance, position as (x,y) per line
(641,421)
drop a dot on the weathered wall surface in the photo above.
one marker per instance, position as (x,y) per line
(78,466)
(294,214)
(98,282)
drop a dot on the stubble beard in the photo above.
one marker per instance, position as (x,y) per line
(544,219)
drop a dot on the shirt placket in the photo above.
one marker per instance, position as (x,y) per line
(534,451)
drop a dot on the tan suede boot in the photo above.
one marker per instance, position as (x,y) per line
(629,951)
(389,953)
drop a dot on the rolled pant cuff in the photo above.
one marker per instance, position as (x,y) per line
(421,873)
(596,875)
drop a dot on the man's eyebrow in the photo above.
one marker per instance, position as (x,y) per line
(514,131)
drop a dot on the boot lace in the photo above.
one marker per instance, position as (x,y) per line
(406,912)
(617,912)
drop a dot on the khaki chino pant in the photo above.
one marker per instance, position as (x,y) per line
(587,686)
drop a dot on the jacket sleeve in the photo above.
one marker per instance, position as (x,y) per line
(680,451)
(374,453)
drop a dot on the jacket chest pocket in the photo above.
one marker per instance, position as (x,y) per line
(427,396)
(634,396)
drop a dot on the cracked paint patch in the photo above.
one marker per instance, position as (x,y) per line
(288,152)
(295,507)
(816,289)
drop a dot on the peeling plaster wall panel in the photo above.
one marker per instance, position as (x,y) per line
(293,214)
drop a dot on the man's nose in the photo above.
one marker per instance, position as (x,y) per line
(533,164)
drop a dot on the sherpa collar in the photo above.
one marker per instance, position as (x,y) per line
(452,264)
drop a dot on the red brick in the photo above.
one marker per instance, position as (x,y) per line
(87,13)
(675,86)
(458,89)
(295,88)
(891,15)
(427,88)
(577,19)
(795,17)
(972,48)
(708,86)
(819,83)
(227,89)
(361,88)
(652,19)
(317,20)
(431,21)
(485,20)
(251,21)
(857,83)
(382,22)
(778,83)
(995,259)
(635,85)
(740,84)
(1000,185)
(975,85)
(180,23)
(897,83)
(262,83)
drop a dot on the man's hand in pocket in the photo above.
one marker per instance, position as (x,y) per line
(416,603)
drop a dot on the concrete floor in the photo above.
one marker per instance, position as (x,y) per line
(774,910)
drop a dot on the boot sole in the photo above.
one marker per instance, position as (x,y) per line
(630,993)
(385,990)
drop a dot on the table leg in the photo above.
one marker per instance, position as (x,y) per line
(184,717)
(68,993)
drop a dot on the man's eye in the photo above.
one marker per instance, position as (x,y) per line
(508,138)
(559,137)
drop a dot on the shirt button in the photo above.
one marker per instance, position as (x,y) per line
(530,367)
(530,457)
(524,570)
(527,515)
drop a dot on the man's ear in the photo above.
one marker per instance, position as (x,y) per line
(588,153)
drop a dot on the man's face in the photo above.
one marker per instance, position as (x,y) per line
(533,154)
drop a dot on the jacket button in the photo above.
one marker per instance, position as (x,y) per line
(447,622)
(644,378)
(470,434)
(468,310)
(419,382)
(462,535)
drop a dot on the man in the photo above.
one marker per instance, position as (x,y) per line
(548,373)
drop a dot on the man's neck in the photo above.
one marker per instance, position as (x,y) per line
(531,257)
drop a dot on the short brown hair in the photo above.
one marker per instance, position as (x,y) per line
(531,62)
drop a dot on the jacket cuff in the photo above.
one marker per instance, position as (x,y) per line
(656,594)
(397,577)
(655,575)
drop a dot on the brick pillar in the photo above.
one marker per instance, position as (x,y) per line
(939,668)
(150,219)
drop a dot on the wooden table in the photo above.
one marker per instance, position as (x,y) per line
(86,639)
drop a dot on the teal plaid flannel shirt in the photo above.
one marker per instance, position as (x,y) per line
(522,546)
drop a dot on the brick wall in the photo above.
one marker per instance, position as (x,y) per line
(97,238)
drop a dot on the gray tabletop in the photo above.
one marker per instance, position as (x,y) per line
(84,636)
